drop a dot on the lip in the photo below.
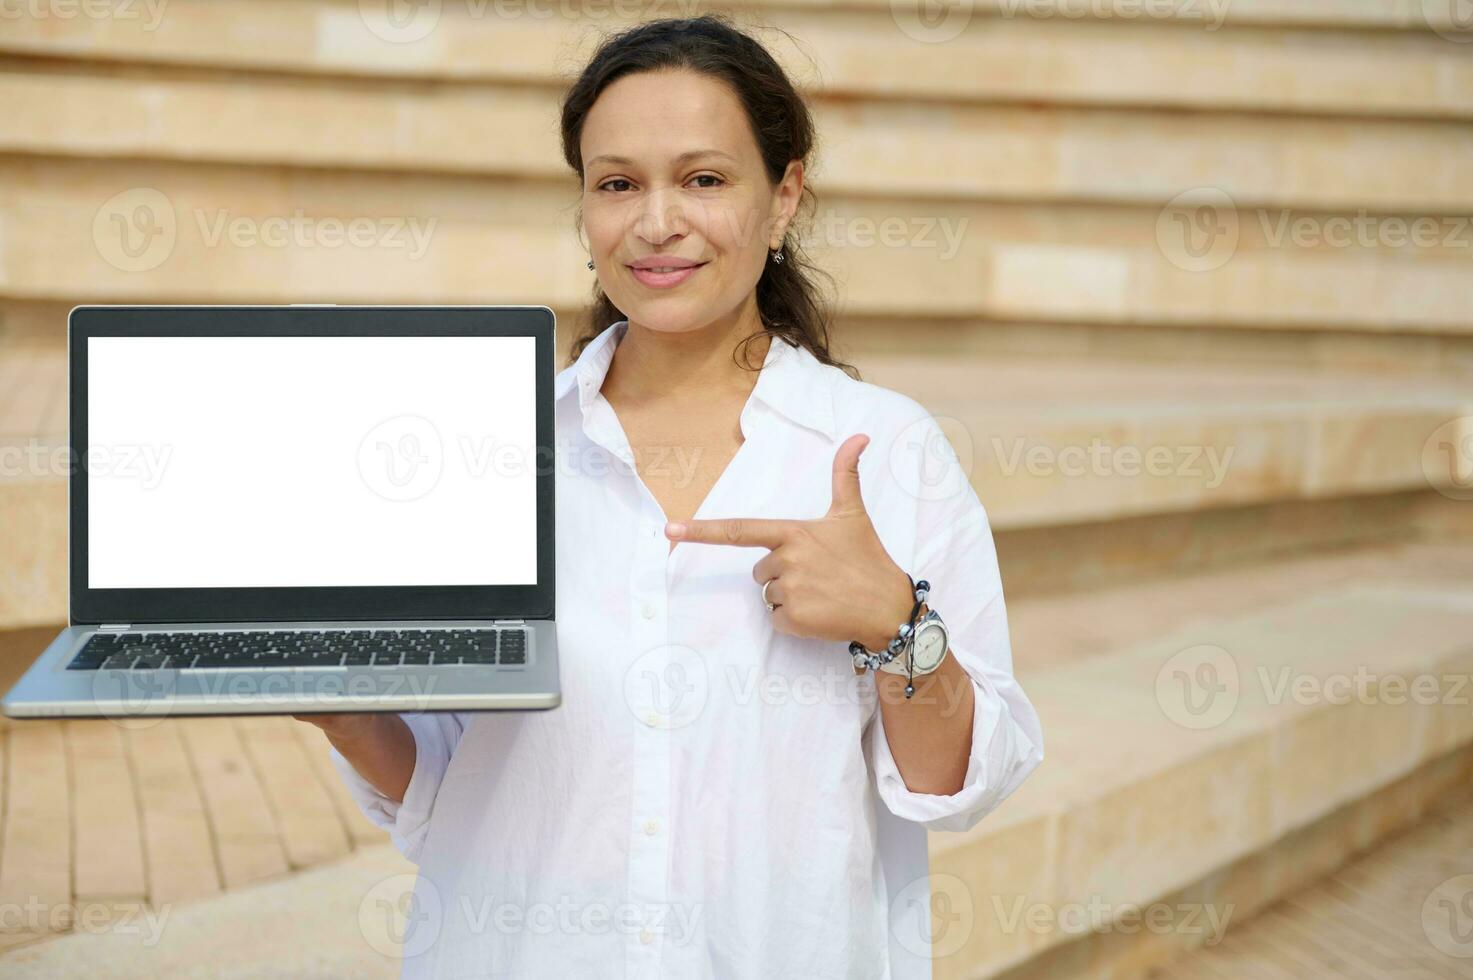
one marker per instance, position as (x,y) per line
(664,280)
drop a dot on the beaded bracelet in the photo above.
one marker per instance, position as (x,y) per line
(863,658)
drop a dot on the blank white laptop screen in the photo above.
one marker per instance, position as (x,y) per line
(265,462)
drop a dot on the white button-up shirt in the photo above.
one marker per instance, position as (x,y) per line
(713,798)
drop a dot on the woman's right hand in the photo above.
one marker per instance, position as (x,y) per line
(339,725)
(378,745)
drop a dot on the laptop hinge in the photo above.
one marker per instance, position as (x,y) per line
(114,626)
(510,622)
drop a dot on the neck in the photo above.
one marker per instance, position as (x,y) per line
(662,364)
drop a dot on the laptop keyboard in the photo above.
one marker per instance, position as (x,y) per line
(235,650)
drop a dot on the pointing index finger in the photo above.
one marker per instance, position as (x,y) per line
(743,532)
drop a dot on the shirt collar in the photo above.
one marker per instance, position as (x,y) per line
(792,382)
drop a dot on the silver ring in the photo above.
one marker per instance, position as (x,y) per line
(770,606)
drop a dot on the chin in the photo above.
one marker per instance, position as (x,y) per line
(667,317)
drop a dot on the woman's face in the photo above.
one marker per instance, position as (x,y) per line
(673,178)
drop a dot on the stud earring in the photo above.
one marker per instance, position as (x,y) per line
(778,257)
(590,265)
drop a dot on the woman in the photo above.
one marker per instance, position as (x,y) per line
(725,791)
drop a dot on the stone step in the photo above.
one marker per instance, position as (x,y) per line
(1136,798)
(888,147)
(883,50)
(1372,59)
(1047,442)
(1398,904)
(1140,551)
(93,230)
(1054,441)
(1211,741)
(323,922)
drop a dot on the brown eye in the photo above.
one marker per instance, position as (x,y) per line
(616,180)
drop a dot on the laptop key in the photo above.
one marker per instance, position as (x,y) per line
(300,660)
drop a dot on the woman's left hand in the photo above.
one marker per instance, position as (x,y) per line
(831,577)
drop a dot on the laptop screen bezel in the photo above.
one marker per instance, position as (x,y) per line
(300,604)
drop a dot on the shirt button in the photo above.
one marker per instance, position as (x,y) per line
(646,937)
(647,611)
(652,827)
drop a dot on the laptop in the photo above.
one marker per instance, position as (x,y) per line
(291,510)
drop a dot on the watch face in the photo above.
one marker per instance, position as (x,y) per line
(930,645)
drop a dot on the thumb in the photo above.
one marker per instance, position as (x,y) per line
(846,496)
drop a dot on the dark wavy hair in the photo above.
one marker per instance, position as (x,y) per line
(788,300)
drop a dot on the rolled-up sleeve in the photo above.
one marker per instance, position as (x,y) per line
(956,554)
(435,737)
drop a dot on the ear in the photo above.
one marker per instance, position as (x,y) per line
(785,202)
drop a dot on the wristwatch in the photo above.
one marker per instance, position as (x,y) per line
(926,647)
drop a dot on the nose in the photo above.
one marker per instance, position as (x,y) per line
(660,217)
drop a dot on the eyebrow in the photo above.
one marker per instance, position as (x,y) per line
(683,158)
